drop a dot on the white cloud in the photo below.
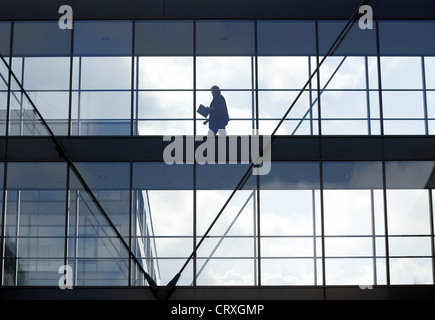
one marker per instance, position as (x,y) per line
(411,271)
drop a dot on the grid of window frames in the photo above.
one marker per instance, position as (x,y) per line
(149,77)
(299,225)
(306,223)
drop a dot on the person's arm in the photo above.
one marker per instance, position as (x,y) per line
(212,105)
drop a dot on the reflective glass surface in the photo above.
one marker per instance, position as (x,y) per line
(149,77)
(318,222)
(34,223)
(409,216)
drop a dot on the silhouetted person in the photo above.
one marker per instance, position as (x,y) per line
(218,112)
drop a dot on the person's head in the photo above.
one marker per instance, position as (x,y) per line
(215,90)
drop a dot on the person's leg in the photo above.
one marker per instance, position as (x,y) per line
(212,130)
(222,132)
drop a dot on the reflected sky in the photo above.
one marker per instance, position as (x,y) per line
(165,91)
(225,56)
(159,87)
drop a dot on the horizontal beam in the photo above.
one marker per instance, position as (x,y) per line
(226,293)
(213,9)
(284,148)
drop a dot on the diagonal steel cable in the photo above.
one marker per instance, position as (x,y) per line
(62,151)
(333,48)
(240,185)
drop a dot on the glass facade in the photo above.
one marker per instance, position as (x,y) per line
(148,77)
(308,222)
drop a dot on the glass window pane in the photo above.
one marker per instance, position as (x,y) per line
(404,127)
(165,127)
(409,174)
(357,41)
(274,104)
(110,184)
(163,38)
(352,175)
(295,218)
(165,73)
(101,272)
(102,38)
(273,72)
(236,219)
(234,272)
(41,39)
(38,272)
(3,108)
(168,269)
(349,271)
(163,207)
(165,104)
(429,63)
(96,253)
(101,112)
(228,246)
(292,176)
(105,73)
(166,220)
(345,127)
(5,34)
(431,104)
(402,104)
(349,197)
(344,104)
(287,271)
(406,38)
(410,246)
(289,208)
(348,247)
(287,247)
(36,176)
(412,271)
(42,213)
(42,64)
(41,247)
(288,38)
(46,73)
(224,38)
(407,200)
(347,212)
(53,105)
(234,72)
(35,222)
(408,212)
(343,73)
(172,247)
(54,108)
(102,51)
(160,176)
(401,73)
(23,118)
(104,105)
